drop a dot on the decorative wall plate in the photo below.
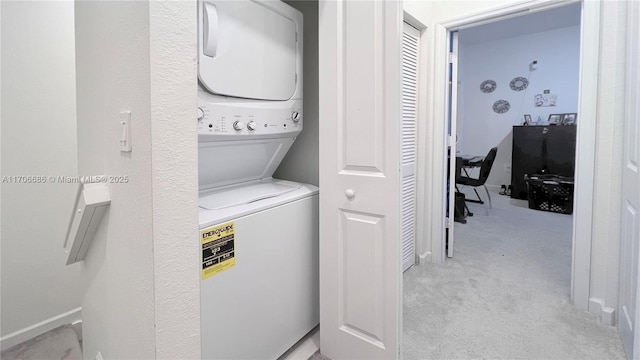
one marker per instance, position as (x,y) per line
(501,106)
(488,86)
(519,83)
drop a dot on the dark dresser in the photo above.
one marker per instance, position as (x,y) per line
(541,150)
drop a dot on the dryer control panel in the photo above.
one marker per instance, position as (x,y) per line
(221,120)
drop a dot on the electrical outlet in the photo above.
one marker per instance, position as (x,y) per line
(507,167)
(98,356)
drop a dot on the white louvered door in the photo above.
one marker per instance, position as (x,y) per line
(410,53)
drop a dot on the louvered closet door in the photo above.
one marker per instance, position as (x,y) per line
(410,52)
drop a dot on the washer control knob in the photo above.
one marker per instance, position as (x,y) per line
(252,125)
(238,125)
(295,116)
(200,113)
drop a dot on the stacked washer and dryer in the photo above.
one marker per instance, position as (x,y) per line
(259,235)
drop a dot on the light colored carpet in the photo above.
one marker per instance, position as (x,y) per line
(504,295)
(60,343)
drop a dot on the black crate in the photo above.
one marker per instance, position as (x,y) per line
(550,193)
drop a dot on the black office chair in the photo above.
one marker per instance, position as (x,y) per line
(485,169)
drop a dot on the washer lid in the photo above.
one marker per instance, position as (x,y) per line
(224,163)
(243,195)
(246,49)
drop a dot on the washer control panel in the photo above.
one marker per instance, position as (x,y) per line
(238,120)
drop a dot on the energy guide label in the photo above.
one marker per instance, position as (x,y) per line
(218,249)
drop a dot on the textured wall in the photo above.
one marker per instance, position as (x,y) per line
(38,138)
(175,184)
(113,74)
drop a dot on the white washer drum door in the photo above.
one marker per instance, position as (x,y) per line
(247,49)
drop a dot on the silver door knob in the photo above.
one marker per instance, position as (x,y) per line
(350,194)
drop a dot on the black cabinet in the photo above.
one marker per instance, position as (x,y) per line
(541,150)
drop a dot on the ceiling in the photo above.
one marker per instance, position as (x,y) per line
(526,24)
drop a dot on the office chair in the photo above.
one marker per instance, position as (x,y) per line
(485,169)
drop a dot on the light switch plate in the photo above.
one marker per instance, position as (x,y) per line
(125,137)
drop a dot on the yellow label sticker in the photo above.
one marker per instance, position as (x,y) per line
(218,249)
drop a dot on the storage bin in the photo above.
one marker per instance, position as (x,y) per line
(550,193)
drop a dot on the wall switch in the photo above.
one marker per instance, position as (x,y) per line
(125,137)
(98,356)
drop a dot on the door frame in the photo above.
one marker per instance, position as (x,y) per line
(585,142)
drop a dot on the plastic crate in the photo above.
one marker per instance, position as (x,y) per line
(550,193)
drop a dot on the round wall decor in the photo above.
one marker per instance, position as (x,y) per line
(501,106)
(488,86)
(519,83)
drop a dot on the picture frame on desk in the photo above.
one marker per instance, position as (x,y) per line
(569,118)
(555,119)
(527,119)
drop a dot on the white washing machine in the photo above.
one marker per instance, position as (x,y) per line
(259,235)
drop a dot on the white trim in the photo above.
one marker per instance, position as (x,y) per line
(450,135)
(436,192)
(304,348)
(493,188)
(73,317)
(585,153)
(424,257)
(606,314)
(503,12)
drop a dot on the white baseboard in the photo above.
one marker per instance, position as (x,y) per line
(425,257)
(304,348)
(73,317)
(493,188)
(599,309)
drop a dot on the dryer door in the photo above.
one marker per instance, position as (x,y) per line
(247,49)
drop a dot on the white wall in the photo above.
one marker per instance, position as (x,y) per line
(479,127)
(142,299)
(301,162)
(38,138)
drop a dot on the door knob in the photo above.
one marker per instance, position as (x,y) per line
(350,194)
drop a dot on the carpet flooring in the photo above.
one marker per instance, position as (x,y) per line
(504,294)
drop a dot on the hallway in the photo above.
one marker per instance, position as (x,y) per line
(505,294)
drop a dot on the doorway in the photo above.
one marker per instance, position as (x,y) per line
(508,125)
(583,191)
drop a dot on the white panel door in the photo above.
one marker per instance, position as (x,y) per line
(452,73)
(360,250)
(630,234)
(410,55)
